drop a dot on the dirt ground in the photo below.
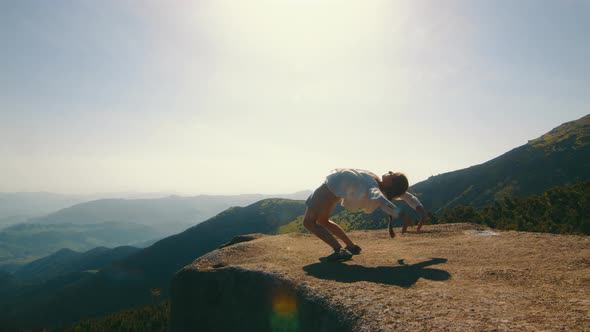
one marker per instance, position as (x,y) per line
(454,277)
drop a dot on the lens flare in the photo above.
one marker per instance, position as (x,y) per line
(285,317)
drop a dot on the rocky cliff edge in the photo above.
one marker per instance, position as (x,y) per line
(455,277)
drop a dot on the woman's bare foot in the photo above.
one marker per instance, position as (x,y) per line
(407,222)
(420,224)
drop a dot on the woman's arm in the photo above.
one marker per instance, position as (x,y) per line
(390,227)
(386,206)
(414,202)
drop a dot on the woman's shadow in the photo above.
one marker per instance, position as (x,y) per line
(403,275)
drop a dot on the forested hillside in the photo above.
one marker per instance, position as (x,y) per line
(560,210)
(559,157)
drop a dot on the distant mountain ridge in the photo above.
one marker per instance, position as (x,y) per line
(18,207)
(167,215)
(30,241)
(560,157)
(107,222)
(67,261)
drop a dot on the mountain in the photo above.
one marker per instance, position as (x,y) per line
(24,242)
(560,157)
(67,261)
(171,253)
(559,210)
(137,222)
(168,215)
(7,283)
(129,283)
(13,220)
(153,318)
(18,207)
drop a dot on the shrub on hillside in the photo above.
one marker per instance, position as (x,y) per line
(559,210)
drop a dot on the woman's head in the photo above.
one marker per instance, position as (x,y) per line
(394,184)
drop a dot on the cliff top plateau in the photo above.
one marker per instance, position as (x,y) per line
(456,277)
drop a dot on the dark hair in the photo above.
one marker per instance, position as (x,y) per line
(399,185)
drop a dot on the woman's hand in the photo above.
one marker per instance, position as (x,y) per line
(390,227)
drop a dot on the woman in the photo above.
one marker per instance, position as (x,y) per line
(355,189)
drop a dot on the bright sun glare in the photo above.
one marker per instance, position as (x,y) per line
(299,29)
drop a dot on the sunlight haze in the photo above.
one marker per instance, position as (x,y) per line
(230,97)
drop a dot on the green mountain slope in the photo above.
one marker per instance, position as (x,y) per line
(349,220)
(560,210)
(559,157)
(152,318)
(176,251)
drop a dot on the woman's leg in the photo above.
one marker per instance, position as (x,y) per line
(335,229)
(309,222)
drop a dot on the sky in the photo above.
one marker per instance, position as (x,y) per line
(268,96)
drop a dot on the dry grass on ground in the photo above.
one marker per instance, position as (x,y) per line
(451,277)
